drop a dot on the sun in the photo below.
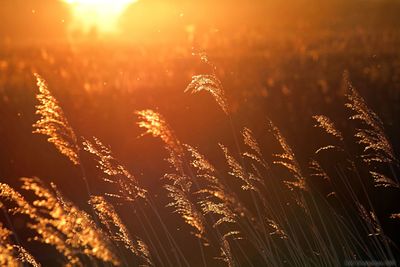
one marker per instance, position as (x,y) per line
(100,14)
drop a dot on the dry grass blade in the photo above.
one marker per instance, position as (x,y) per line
(117,229)
(128,186)
(54,124)
(209,83)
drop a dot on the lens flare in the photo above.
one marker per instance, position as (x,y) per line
(102,15)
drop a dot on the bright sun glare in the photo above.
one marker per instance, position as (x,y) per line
(101,14)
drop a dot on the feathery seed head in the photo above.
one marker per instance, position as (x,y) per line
(54,124)
(209,83)
(326,124)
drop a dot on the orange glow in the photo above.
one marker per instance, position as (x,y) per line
(199,133)
(100,14)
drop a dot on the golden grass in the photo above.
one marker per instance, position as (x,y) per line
(54,124)
(282,219)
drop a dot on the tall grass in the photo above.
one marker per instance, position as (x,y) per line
(262,211)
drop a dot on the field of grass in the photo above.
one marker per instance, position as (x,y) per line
(242,150)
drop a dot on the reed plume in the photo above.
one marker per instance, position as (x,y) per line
(46,233)
(226,253)
(13,255)
(377,147)
(318,171)
(371,220)
(211,84)
(179,189)
(277,229)
(118,231)
(60,223)
(251,142)
(155,125)
(25,257)
(251,182)
(239,171)
(115,173)
(232,218)
(383,180)
(199,162)
(21,205)
(395,216)
(288,160)
(180,193)
(78,226)
(212,187)
(186,209)
(7,253)
(219,209)
(54,124)
(327,124)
